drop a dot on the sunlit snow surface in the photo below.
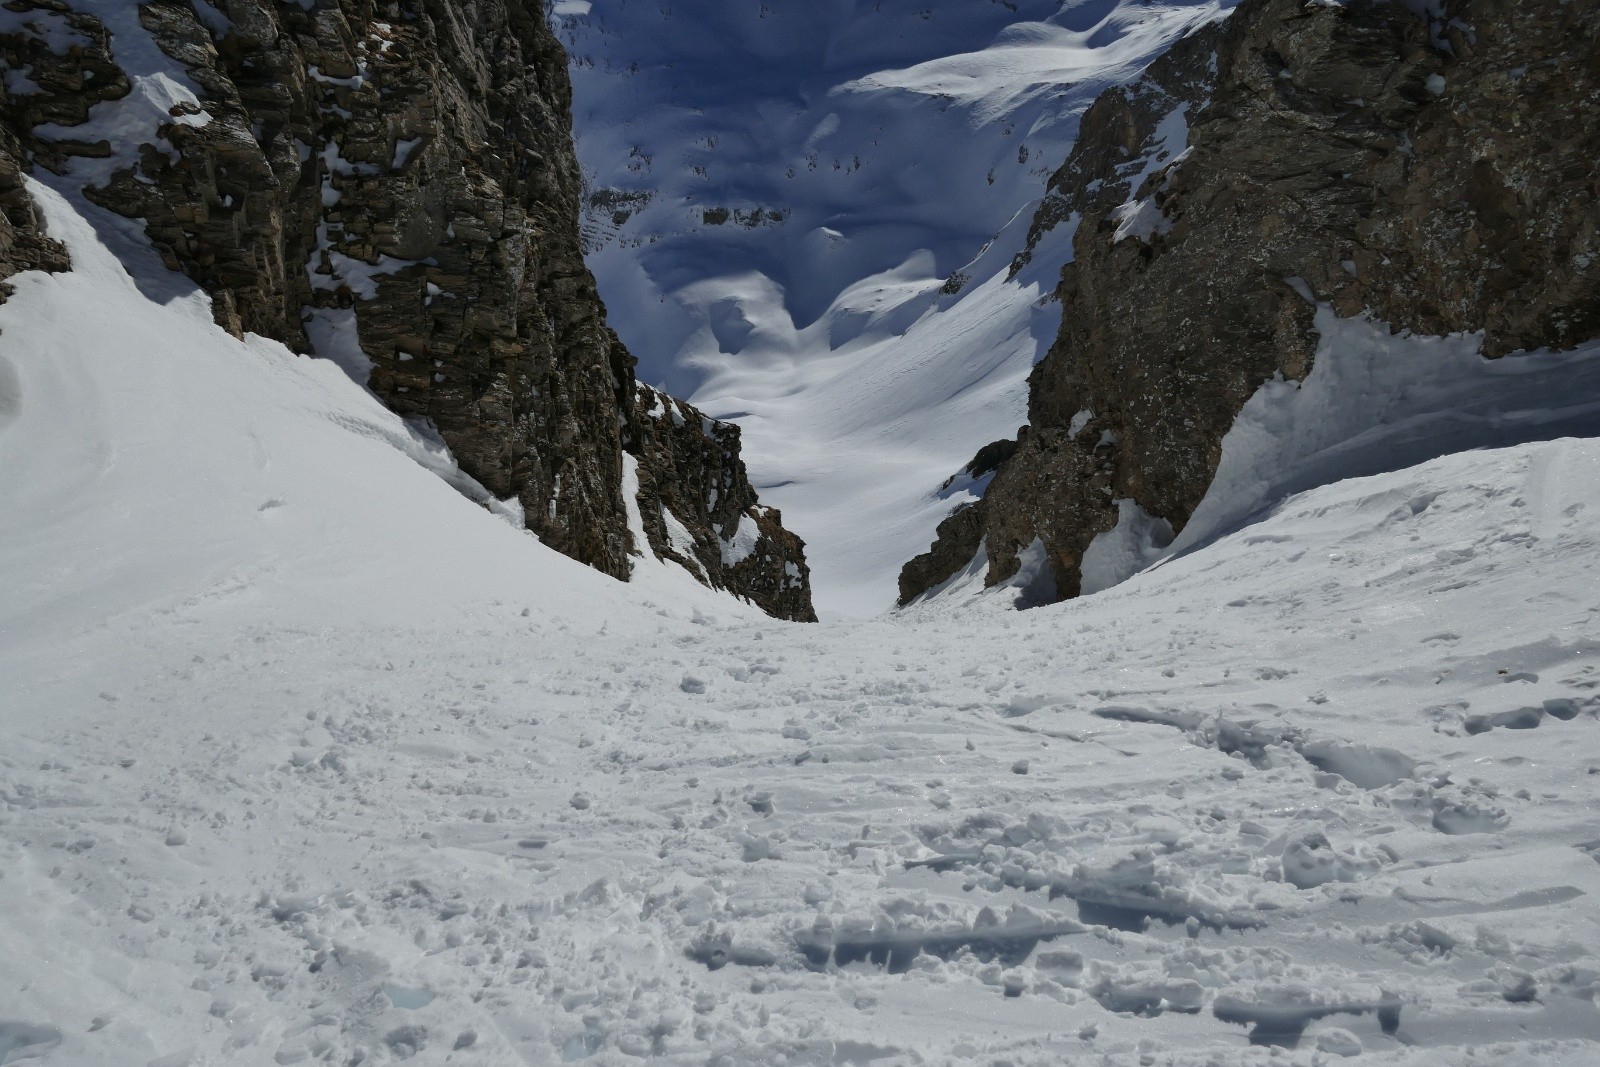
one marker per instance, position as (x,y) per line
(308,758)
(779,193)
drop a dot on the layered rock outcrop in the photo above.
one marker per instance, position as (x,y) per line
(1432,164)
(392,183)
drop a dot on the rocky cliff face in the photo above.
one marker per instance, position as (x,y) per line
(1434,169)
(391,183)
(697,507)
(24,244)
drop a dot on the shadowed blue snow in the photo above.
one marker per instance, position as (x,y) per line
(779,194)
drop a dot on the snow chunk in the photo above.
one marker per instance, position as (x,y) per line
(403,151)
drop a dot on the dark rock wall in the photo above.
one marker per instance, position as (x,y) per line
(24,244)
(689,466)
(1437,173)
(406,167)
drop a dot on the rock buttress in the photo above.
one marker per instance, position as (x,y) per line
(698,508)
(24,242)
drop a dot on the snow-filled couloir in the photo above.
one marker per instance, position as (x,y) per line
(804,215)
(312,758)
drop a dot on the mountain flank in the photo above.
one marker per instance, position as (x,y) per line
(391,185)
(1434,170)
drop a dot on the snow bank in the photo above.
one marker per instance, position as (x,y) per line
(1378,401)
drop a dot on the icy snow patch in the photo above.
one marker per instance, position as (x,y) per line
(1374,401)
(739,547)
(334,336)
(1138,540)
(1034,581)
(1140,216)
(48,27)
(630,504)
(159,84)
(681,541)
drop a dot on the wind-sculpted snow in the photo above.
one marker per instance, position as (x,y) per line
(1375,401)
(803,215)
(1325,786)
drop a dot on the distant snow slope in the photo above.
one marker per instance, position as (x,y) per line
(308,758)
(780,196)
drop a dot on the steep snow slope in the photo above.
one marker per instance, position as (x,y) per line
(309,758)
(152,462)
(802,214)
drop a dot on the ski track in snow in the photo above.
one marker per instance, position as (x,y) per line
(311,759)
(1351,749)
